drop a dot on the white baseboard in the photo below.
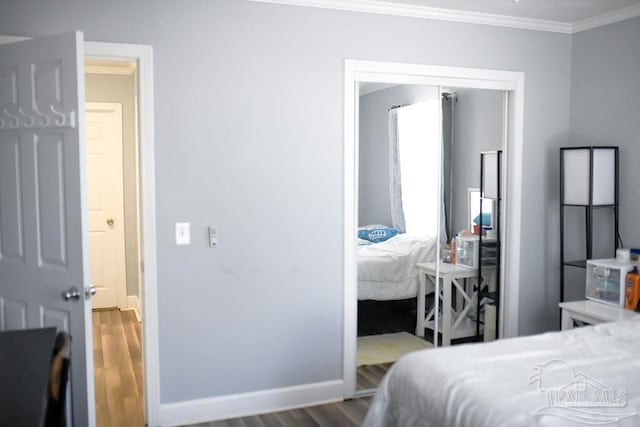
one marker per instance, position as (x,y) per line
(252,403)
(133,303)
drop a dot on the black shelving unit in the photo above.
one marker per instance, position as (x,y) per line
(588,209)
(489,249)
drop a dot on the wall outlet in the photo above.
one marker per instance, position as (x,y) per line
(183,233)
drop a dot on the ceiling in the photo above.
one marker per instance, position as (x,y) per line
(563,16)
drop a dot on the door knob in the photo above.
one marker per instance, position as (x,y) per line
(89,292)
(110,222)
(71,294)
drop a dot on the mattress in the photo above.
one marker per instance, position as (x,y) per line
(387,270)
(579,377)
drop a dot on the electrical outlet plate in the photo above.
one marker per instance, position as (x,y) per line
(183,233)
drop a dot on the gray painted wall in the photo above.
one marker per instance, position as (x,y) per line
(477,127)
(605,110)
(374,202)
(249,137)
(121,89)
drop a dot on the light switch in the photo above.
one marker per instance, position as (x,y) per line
(213,237)
(183,233)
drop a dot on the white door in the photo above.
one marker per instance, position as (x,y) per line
(105,197)
(43,220)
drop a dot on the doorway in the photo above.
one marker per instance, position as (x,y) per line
(142,56)
(512,83)
(114,239)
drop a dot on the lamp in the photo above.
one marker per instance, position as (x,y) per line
(589,175)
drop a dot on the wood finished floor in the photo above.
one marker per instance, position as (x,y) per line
(118,369)
(369,376)
(343,414)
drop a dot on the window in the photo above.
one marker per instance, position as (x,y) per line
(419,141)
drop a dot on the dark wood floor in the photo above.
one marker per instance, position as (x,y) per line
(369,376)
(343,414)
(118,368)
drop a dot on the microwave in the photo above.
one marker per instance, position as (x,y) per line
(467,251)
(606,280)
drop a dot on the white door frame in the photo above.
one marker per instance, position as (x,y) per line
(398,73)
(143,55)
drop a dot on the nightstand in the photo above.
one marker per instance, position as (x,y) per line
(593,313)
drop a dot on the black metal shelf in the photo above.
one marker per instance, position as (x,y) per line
(489,249)
(589,209)
(577,264)
(565,205)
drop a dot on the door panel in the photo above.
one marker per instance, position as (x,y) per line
(106,203)
(11,237)
(42,202)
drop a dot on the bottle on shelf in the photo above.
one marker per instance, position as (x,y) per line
(632,290)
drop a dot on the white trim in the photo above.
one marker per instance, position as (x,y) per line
(143,54)
(464,16)
(133,303)
(456,77)
(606,19)
(351,165)
(124,69)
(251,403)
(427,12)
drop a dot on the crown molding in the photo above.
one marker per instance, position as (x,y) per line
(607,18)
(426,12)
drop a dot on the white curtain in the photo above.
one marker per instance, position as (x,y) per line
(395,180)
(415,142)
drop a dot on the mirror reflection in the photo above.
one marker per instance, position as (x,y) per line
(429,160)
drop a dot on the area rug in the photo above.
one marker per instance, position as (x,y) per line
(386,348)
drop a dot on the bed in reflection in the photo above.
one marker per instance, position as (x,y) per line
(387,267)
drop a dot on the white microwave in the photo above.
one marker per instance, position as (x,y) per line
(606,280)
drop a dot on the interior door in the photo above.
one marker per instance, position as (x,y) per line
(105,199)
(43,220)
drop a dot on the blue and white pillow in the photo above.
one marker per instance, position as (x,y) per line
(377,234)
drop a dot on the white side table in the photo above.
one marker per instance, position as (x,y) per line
(592,313)
(450,274)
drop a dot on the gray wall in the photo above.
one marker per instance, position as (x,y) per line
(477,127)
(249,137)
(121,89)
(374,199)
(605,106)
(605,110)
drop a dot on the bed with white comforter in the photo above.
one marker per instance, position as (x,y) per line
(580,377)
(387,270)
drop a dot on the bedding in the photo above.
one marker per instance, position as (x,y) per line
(579,377)
(387,270)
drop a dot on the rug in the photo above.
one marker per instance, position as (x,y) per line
(386,348)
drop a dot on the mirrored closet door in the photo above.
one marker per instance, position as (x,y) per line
(425,217)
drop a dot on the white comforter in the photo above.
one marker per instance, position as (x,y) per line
(518,382)
(387,270)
